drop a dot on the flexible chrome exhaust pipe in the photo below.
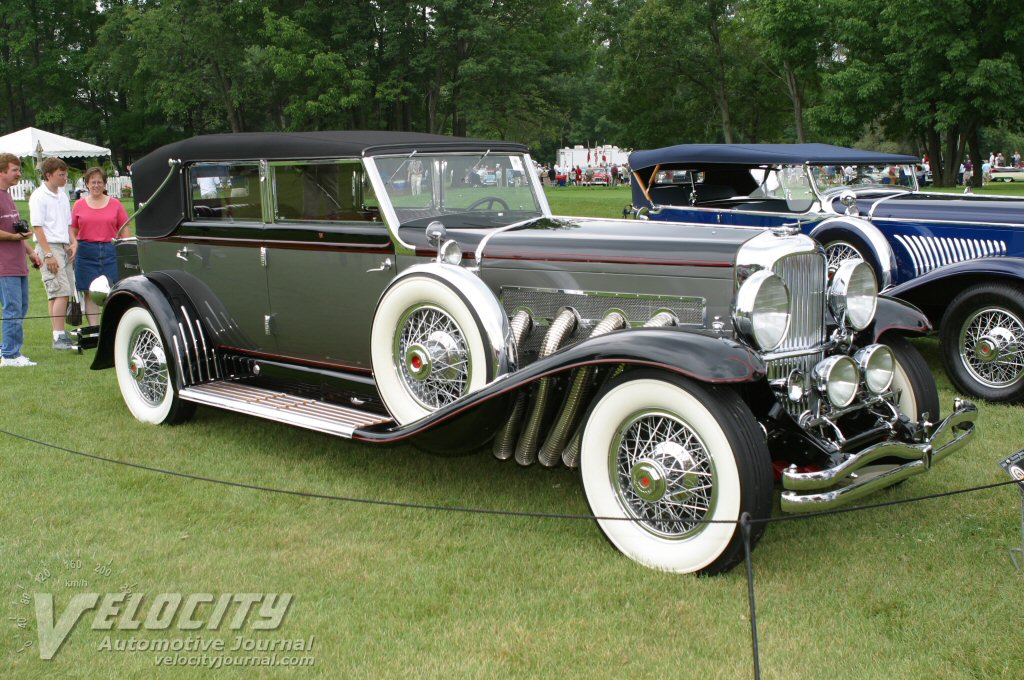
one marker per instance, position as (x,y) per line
(505,440)
(561,328)
(571,454)
(551,452)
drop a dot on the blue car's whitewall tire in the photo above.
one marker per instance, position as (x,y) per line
(669,466)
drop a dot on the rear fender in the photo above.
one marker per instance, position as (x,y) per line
(180,328)
(933,291)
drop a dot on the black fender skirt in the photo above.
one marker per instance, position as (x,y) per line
(701,356)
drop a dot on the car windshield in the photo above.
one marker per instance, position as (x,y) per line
(466,190)
(828,178)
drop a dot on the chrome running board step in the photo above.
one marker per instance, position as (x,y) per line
(310,414)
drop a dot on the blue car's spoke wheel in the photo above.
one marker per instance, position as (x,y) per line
(983,341)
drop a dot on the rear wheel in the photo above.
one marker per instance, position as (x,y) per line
(669,466)
(145,372)
(982,335)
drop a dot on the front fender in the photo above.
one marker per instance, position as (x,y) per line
(834,228)
(932,292)
(895,315)
(701,356)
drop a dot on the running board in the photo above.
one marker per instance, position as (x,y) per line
(282,407)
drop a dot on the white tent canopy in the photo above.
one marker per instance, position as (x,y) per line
(34,142)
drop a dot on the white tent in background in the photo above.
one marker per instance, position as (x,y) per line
(35,143)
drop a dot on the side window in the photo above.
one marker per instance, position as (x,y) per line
(324,192)
(228,192)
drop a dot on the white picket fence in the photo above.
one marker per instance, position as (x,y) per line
(115,187)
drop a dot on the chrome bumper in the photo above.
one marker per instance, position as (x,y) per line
(858,476)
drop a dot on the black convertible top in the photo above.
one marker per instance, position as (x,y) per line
(168,208)
(761,154)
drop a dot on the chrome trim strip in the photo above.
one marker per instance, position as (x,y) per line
(883,199)
(930,252)
(492,234)
(195,344)
(922,220)
(188,358)
(177,354)
(387,210)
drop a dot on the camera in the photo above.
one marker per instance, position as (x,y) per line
(22,227)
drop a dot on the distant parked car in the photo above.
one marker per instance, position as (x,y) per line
(672,367)
(601,177)
(957,257)
(1007,174)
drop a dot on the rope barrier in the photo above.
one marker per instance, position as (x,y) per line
(745,521)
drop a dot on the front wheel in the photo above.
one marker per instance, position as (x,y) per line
(669,466)
(982,336)
(144,371)
(912,381)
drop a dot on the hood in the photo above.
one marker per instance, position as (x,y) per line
(956,208)
(605,243)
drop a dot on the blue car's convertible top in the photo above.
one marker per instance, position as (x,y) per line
(762,154)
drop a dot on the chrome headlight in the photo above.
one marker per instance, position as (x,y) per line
(877,364)
(854,294)
(450,253)
(838,377)
(762,310)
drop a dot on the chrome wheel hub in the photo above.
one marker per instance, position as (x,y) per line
(990,347)
(664,476)
(433,356)
(147,366)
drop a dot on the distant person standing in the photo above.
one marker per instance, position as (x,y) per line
(95,221)
(416,176)
(50,215)
(14,246)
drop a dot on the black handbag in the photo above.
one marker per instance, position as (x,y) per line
(74,315)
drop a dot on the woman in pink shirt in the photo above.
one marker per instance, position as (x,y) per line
(95,221)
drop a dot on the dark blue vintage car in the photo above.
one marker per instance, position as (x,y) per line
(957,257)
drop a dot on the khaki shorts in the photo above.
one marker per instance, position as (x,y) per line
(61,284)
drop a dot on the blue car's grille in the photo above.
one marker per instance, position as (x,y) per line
(930,252)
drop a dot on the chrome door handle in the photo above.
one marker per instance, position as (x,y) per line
(384,266)
(184,253)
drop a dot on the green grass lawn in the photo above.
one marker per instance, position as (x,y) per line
(917,591)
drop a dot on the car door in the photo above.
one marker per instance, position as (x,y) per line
(218,246)
(329,258)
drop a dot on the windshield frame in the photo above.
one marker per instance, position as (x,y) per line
(379,174)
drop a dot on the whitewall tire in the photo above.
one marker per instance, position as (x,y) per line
(669,466)
(145,369)
(912,379)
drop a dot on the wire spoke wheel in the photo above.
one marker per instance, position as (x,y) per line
(990,347)
(664,476)
(838,253)
(433,356)
(148,366)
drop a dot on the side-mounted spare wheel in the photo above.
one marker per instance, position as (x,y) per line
(145,370)
(669,466)
(438,334)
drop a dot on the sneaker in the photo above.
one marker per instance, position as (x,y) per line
(16,362)
(63,342)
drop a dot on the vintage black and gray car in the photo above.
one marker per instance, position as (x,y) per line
(959,258)
(358,284)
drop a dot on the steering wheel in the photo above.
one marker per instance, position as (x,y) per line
(489,202)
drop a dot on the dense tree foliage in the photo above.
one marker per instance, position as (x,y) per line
(936,78)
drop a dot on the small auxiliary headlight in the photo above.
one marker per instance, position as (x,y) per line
(837,377)
(854,294)
(450,253)
(878,365)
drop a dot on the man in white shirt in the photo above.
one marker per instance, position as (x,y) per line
(50,215)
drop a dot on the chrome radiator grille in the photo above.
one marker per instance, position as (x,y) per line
(805,275)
